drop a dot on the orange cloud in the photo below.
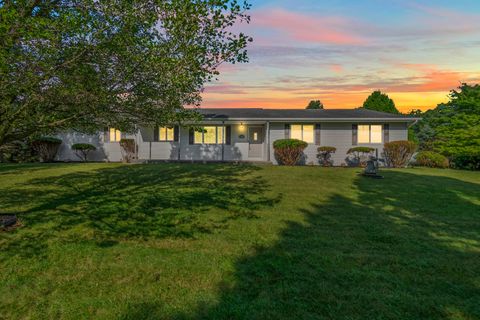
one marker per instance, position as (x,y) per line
(424,88)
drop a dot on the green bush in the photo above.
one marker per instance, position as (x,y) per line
(358,156)
(46,147)
(289,151)
(83,149)
(360,150)
(466,161)
(431,159)
(398,153)
(128,149)
(17,152)
(325,155)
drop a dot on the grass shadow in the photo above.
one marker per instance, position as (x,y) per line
(407,248)
(133,202)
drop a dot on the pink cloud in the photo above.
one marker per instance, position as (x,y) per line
(337,68)
(306,28)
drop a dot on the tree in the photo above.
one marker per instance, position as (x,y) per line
(453,128)
(315,104)
(85,65)
(379,101)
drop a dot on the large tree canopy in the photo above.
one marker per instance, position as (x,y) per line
(315,104)
(87,64)
(379,101)
(453,128)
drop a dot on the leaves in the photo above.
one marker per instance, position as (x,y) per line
(379,101)
(453,129)
(85,65)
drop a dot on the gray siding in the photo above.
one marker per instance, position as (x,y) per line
(335,134)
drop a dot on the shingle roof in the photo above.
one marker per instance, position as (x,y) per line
(308,114)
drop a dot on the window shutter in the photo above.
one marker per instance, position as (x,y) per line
(228,135)
(386,133)
(354,134)
(287,131)
(176,133)
(106,136)
(317,133)
(156,134)
(191,136)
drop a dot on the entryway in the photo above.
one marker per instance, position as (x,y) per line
(255,143)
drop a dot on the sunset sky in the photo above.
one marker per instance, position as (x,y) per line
(339,51)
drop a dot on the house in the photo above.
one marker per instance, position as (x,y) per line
(248,135)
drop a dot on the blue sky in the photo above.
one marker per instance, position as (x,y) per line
(340,51)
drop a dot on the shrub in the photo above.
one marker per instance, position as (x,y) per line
(466,161)
(398,153)
(82,150)
(289,151)
(325,155)
(17,151)
(431,159)
(360,156)
(46,147)
(128,149)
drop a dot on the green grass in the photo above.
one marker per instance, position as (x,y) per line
(179,241)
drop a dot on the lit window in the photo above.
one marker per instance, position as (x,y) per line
(302,132)
(165,134)
(370,134)
(198,138)
(363,134)
(220,134)
(376,134)
(308,134)
(114,135)
(210,135)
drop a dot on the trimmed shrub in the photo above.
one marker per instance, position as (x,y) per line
(466,161)
(398,153)
(82,150)
(289,151)
(46,147)
(431,159)
(325,155)
(17,152)
(359,156)
(128,149)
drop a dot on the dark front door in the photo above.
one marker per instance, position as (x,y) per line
(255,141)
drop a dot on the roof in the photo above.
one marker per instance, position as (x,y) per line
(298,114)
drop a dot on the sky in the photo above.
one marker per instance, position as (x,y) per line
(339,51)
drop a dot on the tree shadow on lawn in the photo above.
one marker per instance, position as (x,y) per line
(135,202)
(408,248)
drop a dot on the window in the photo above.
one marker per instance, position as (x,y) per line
(114,135)
(210,135)
(166,134)
(302,132)
(369,133)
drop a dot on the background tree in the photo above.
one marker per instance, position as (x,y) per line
(379,101)
(453,129)
(88,64)
(315,104)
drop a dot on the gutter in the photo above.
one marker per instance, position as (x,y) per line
(315,119)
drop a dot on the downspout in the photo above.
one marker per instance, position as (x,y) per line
(268,141)
(136,142)
(223,140)
(179,142)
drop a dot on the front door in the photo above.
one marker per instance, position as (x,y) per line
(255,142)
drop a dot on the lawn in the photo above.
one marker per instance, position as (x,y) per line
(183,241)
